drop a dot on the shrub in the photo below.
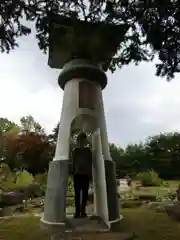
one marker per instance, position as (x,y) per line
(6,178)
(23,178)
(70,187)
(41,179)
(149,178)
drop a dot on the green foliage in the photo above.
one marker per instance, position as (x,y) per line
(149,29)
(70,187)
(24,178)
(7,178)
(7,127)
(41,179)
(149,178)
(163,153)
(28,124)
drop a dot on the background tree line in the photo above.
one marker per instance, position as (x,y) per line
(28,147)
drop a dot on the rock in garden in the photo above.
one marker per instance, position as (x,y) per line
(131,204)
(147,197)
(178,193)
(174,211)
(122,186)
(10,198)
(30,190)
(8,211)
(157,206)
(1,212)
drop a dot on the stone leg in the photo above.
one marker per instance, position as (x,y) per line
(99,179)
(113,201)
(55,198)
(110,169)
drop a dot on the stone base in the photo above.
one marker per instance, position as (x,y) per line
(50,229)
(113,202)
(173,211)
(55,198)
(94,236)
(80,226)
(91,224)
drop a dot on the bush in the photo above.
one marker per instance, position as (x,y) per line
(23,178)
(70,187)
(41,179)
(149,178)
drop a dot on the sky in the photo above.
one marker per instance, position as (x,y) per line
(137,103)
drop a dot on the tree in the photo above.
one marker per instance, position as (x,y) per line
(131,160)
(136,158)
(164,153)
(153,27)
(31,152)
(53,136)
(6,128)
(117,154)
(28,124)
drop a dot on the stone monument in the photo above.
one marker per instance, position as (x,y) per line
(83,51)
(123,186)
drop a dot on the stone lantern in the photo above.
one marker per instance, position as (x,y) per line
(83,51)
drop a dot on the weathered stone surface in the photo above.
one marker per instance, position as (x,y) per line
(1,212)
(71,210)
(157,206)
(98,236)
(30,190)
(123,186)
(11,198)
(131,204)
(110,236)
(178,193)
(147,197)
(7,211)
(88,224)
(174,211)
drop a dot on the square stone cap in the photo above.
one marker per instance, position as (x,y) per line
(72,38)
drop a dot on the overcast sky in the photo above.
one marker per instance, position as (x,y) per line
(137,104)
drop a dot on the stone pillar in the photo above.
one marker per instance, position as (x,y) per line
(56,192)
(110,168)
(99,179)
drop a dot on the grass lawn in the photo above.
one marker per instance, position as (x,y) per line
(146,225)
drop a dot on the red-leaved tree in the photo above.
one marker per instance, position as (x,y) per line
(31,151)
